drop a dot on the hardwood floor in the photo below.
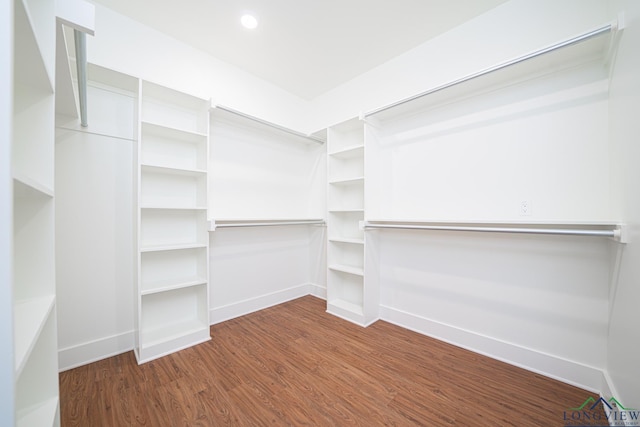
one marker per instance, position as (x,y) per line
(295,365)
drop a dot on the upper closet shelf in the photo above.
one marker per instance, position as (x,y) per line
(349,152)
(23,186)
(34,56)
(595,46)
(172,171)
(260,122)
(158,129)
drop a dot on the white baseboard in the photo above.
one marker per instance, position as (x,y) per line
(92,351)
(567,371)
(240,308)
(318,291)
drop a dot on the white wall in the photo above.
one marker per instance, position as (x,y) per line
(624,334)
(535,301)
(538,302)
(135,49)
(260,173)
(543,141)
(508,31)
(254,268)
(94,258)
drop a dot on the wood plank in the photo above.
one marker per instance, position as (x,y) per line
(294,364)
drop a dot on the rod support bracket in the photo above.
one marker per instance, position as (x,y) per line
(621,233)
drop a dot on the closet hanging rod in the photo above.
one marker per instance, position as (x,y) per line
(239,224)
(617,233)
(594,33)
(273,125)
(81,67)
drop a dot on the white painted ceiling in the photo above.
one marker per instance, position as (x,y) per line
(306,47)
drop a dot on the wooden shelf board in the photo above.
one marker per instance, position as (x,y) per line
(344,306)
(154,337)
(158,129)
(171,285)
(172,247)
(30,65)
(30,317)
(347,240)
(355,180)
(175,208)
(345,210)
(24,186)
(169,170)
(347,152)
(347,269)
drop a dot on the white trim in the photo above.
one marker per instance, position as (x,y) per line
(240,308)
(567,371)
(318,291)
(93,351)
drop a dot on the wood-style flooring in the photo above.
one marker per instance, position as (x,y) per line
(295,365)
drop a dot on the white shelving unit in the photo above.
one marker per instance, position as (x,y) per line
(348,293)
(34,289)
(172,235)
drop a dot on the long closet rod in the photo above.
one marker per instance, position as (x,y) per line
(213,226)
(273,125)
(594,33)
(616,233)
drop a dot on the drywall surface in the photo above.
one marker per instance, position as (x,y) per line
(535,301)
(510,30)
(624,335)
(253,268)
(94,234)
(130,47)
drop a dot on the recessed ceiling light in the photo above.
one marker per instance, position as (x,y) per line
(249,21)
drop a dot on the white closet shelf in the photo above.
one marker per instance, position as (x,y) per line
(346,210)
(348,152)
(338,306)
(42,415)
(174,208)
(598,44)
(30,59)
(172,171)
(30,317)
(356,271)
(171,285)
(348,181)
(172,247)
(347,240)
(166,334)
(172,132)
(24,186)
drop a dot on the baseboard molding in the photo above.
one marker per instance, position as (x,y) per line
(240,308)
(567,371)
(318,291)
(92,351)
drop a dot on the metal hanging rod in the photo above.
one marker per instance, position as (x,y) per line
(273,125)
(81,66)
(266,223)
(594,33)
(618,233)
